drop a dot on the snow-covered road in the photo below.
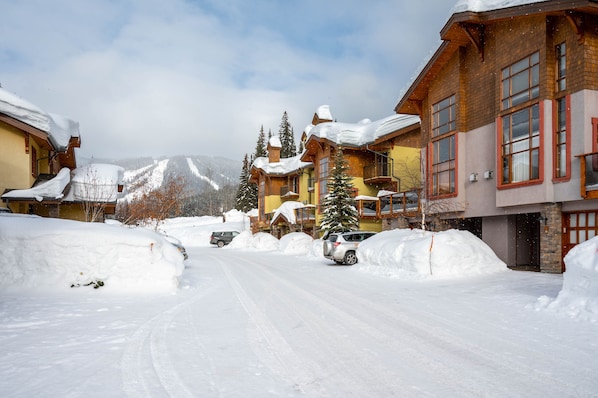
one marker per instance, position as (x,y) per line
(253,324)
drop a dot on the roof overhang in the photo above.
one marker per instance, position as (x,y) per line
(468,27)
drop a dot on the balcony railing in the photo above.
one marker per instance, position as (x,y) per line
(305,214)
(381,173)
(287,192)
(588,163)
(391,205)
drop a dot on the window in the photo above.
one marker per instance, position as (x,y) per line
(521,81)
(443,159)
(561,139)
(561,67)
(323,178)
(33,162)
(443,117)
(521,145)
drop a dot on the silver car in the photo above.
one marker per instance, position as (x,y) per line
(341,246)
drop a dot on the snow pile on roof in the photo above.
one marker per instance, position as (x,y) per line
(283,167)
(364,132)
(287,210)
(47,253)
(96,182)
(415,254)
(51,189)
(324,113)
(578,297)
(60,128)
(489,5)
(274,142)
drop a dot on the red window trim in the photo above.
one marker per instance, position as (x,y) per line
(499,184)
(429,172)
(594,142)
(567,176)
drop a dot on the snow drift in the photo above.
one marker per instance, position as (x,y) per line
(52,253)
(578,297)
(409,254)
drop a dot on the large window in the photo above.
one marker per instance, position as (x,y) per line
(520,135)
(443,146)
(33,162)
(561,67)
(323,178)
(521,145)
(561,138)
(521,81)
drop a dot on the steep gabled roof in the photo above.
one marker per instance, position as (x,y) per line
(466,25)
(60,130)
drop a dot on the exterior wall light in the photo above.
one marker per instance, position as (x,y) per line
(473,177)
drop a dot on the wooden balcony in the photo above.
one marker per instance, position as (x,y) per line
(588,163)
(378,173)
(305,215)
(288,194)
(393,205)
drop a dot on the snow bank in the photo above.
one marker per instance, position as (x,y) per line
(296,243)
(578,297)
(46,253)
(260,241)
(415,254)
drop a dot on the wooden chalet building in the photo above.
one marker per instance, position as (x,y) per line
(37,155)
(383,157)
(509,122)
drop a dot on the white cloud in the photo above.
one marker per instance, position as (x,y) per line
(200,77)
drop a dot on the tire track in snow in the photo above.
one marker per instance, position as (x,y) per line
(273,349)
(461,353)
(146,366)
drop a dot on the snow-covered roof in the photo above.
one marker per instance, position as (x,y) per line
(324,113)
(460,7)
(287,210)
(488,5)
(59,128)
(51,189)
(363,132)
(284,166)
(96,182)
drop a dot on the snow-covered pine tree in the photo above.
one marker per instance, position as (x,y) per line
(246,193)
(287,138)
(260,147)
(339,212)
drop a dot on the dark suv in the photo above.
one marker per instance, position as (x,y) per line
(341,246)
(221,238)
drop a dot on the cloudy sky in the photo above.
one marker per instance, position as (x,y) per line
(200,77)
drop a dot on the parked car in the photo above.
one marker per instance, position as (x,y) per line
(341,247)
(177,243)
(221,238)
(5,210)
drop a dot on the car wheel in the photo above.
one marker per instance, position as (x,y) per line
(220,243)
(350,258)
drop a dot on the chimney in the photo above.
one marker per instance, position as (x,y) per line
(273,148)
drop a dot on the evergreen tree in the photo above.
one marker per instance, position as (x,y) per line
(260,148)
(287,138)
(339,213)
(246,198)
